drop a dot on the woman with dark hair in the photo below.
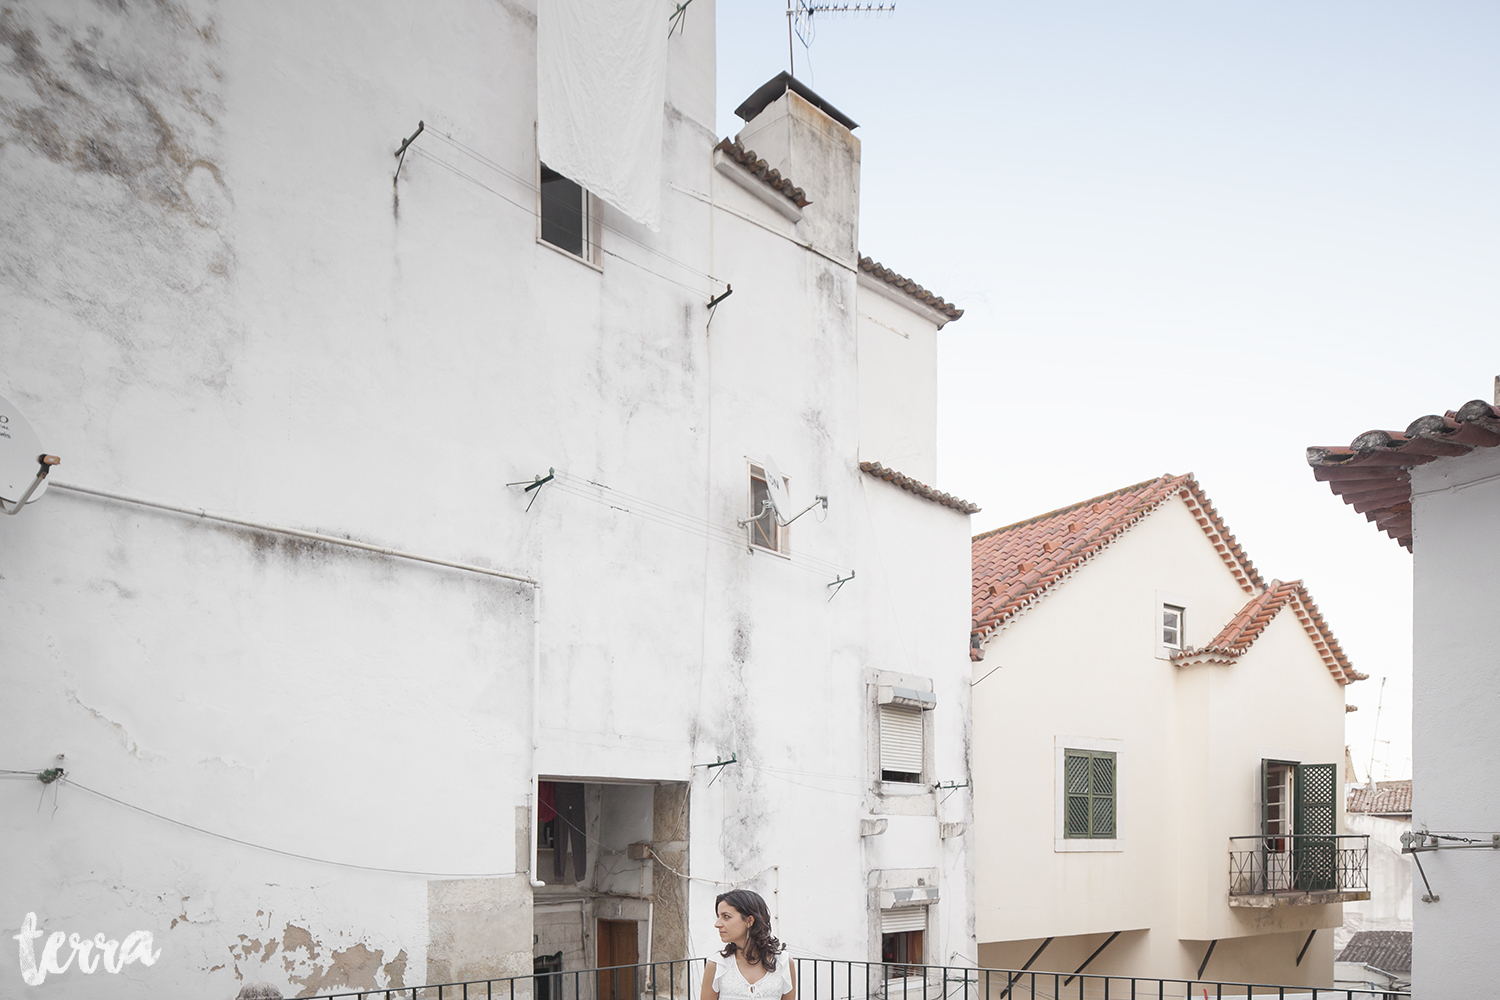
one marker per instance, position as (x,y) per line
(751,966)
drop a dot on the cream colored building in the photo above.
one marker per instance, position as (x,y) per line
(1142,697)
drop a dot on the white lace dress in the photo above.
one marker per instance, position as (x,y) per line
(731,984)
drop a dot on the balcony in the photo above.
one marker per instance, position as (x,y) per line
(1300,870)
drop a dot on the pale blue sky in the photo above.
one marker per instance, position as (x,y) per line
(1188,237)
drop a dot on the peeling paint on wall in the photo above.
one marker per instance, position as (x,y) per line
(314,967)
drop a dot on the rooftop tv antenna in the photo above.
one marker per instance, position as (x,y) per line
(799,20)
(23,466)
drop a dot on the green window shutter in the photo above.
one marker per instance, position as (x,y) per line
(1102,821)
(1089,794)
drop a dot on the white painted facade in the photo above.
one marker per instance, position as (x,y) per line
(214,298)
(1083,668)
(1456,691)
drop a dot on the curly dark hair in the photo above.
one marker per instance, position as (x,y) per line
(761,949)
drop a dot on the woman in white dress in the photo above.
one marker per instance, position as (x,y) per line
(751,966)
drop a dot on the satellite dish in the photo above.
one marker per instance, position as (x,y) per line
(781,501)
(20,457)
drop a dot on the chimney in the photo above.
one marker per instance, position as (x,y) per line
(812,143)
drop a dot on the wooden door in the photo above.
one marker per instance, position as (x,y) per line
(617,947)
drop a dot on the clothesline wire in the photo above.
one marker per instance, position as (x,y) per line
(575,212)
(651,511)
(71,782)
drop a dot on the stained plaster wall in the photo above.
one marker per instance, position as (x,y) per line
(1456,700)
(1083,663)
(214,297)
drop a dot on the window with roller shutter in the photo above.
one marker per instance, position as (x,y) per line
(901,743)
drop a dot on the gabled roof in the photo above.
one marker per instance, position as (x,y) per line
(1388,951)
(1019,564)
(920,489)
(1373,474)
(772,178)
(1235,639)
(1387,798)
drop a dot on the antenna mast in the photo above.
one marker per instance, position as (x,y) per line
(799,13)
(1375,737)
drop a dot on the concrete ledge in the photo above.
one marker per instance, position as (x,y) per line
(1269,900)
(745,179)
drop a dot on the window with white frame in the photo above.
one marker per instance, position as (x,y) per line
(565,216)
(765,531)
(1088,793)
(1171,626)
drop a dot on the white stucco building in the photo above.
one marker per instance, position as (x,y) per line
(217,298)
(1158,732)
(1435,489)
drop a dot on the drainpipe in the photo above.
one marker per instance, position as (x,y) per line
(536,725)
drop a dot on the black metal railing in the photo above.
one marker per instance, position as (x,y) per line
(1300,863)
(825,979)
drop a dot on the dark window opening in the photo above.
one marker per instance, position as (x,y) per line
(901,949)
(548,972)
(564,213)
(909,777)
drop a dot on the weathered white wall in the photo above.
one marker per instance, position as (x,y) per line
(212,297)
(1082,663)
(1391,876)
(1456,702)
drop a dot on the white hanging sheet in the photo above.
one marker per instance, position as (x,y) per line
(601,86)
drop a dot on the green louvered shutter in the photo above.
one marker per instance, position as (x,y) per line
(1089,794)
(1316,818)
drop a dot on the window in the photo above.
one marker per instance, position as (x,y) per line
(765,531)
(901,743)
(565,216)
(1171,626)
(901,940)
(1089,781)
(1298,826)
(548,972)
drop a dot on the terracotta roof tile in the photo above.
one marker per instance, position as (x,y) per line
(877,270)
(1388,951)
(920,489)
(1246,626)
(746,158)
(1387,798)
(1373,474)
(1014,567)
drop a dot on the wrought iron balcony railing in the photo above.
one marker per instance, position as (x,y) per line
(823,979)
(1303,864)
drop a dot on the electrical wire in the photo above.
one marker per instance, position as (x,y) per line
(650,510)
(710,881)
(261,847)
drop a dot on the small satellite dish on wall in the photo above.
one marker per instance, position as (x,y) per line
(23,466)
(781,500)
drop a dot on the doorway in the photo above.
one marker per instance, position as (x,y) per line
(618,946)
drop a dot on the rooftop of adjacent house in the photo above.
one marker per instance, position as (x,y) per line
(1018,565)
(1388,951)
(1387,798)
(1373,474)
(779,84)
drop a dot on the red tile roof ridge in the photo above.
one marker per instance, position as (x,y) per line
(1236,638)
(746,158)
(919,488)
(1015,566)
(1373,474)
(878,270)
